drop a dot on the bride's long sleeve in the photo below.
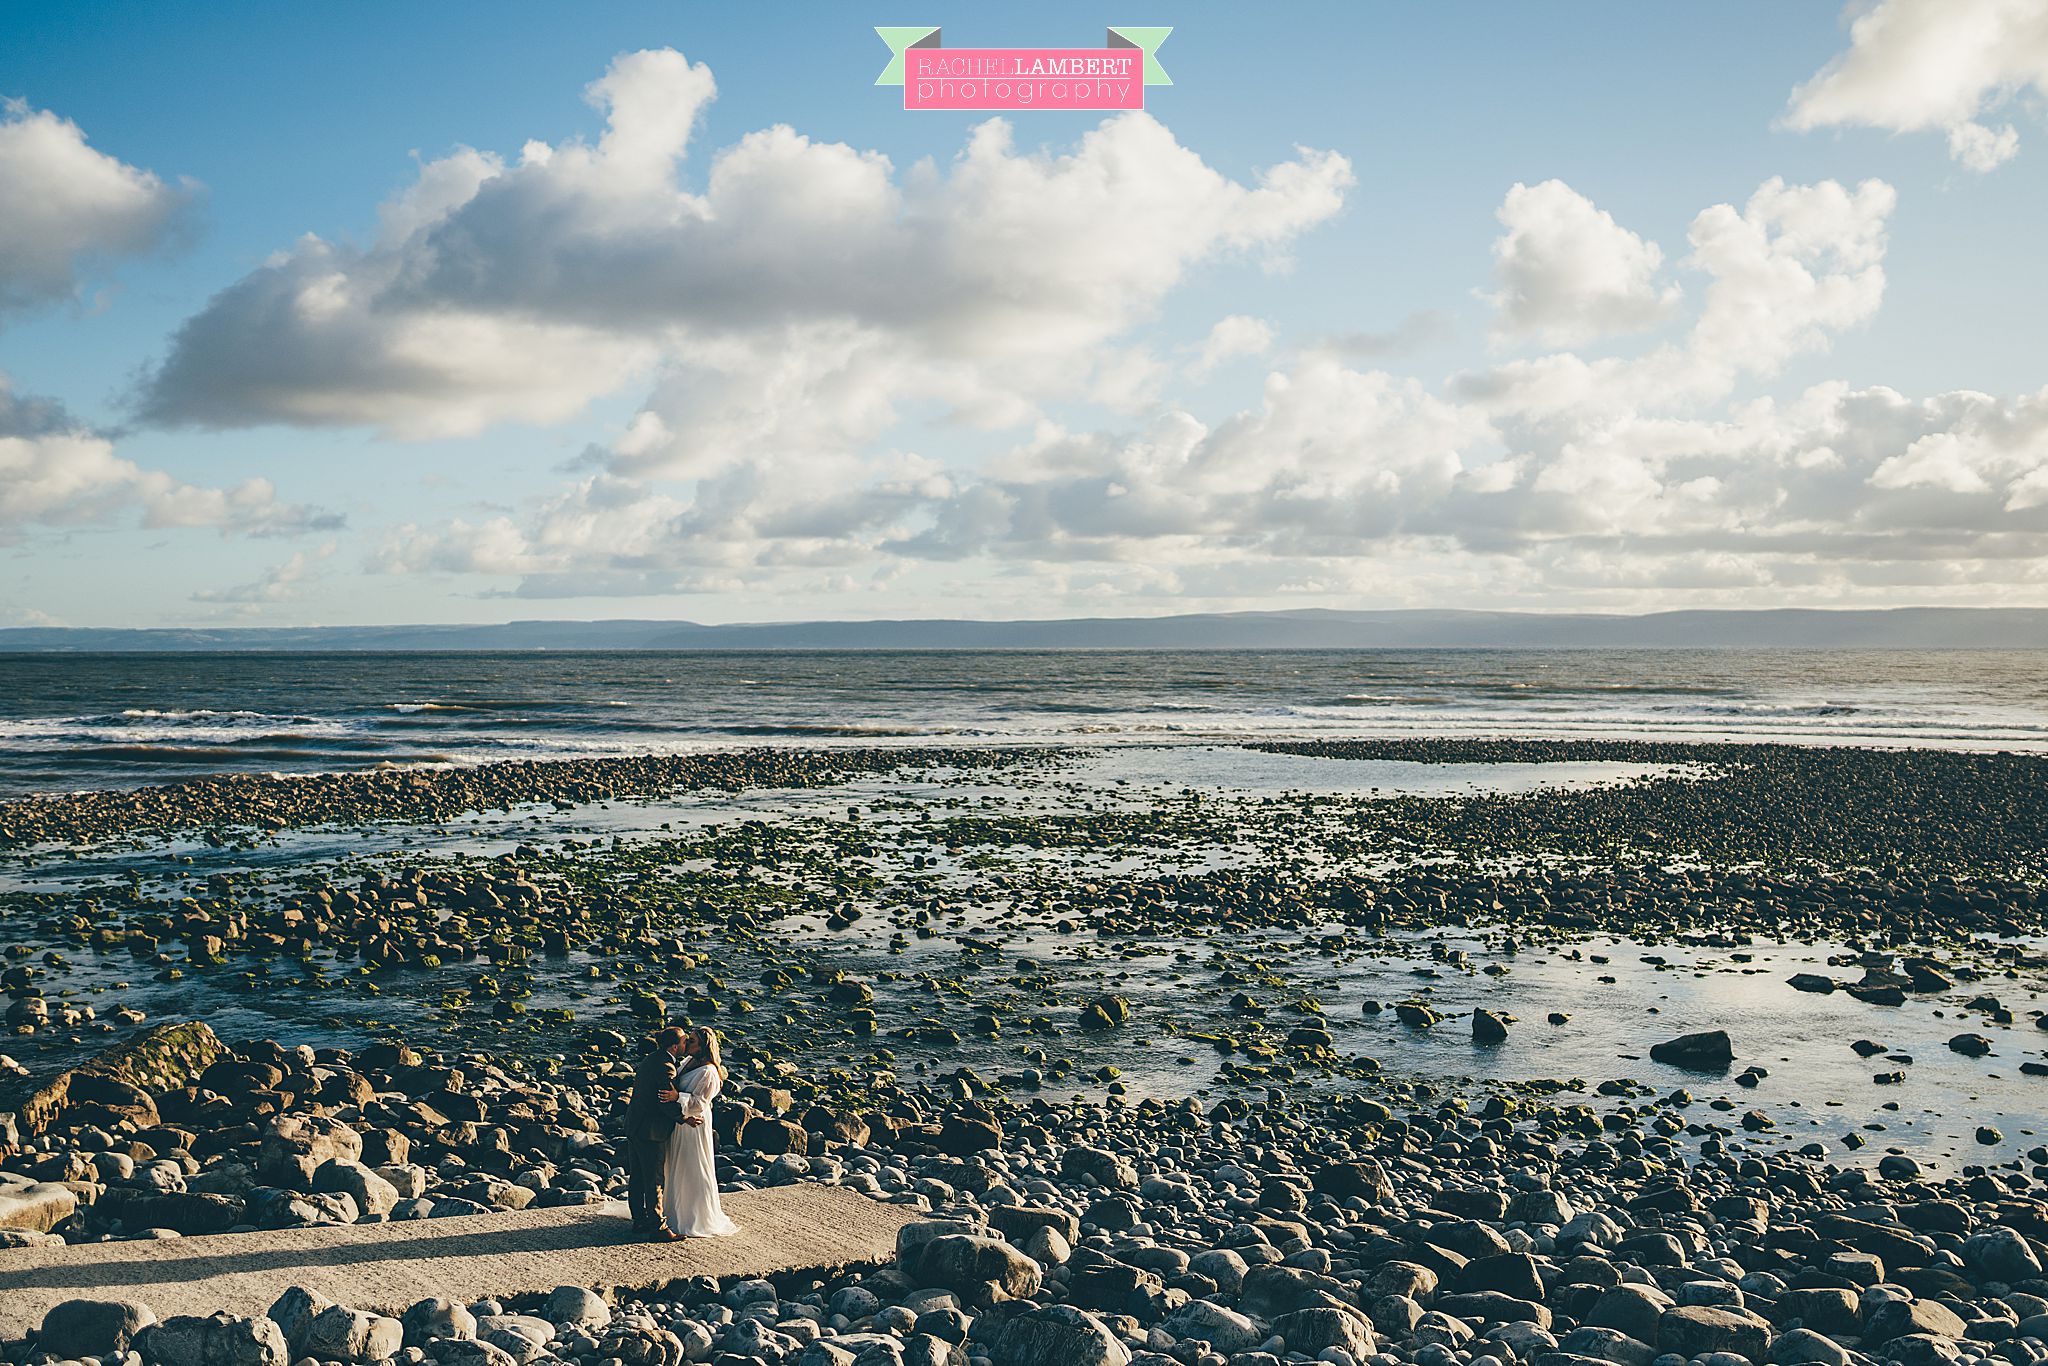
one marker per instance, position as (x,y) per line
(699,1089)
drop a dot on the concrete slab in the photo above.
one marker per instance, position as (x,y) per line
(386,1267)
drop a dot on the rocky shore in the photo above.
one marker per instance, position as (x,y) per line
(242,802)
(1302,1202)
(1292,1228)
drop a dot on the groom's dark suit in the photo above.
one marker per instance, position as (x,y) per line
(649,1121)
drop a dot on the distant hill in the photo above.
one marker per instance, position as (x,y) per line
(1918,628)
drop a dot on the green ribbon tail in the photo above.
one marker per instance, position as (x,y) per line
(899,39)
(1147,40)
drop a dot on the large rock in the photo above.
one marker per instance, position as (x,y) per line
(1695,1329)
(1804,1347)
(1608,1344)
(1271,1291)
(574,1304)
(216,1340)
(1511,1273)
(1365,1180)
(1051,1335)
(1226,1330)
(522,1335)
(339,1333)
(93,1328)
(433,1319)
(186,1212)
(971,1266)
(1902,1318)
(159,1059)
(296,1146)
(1707,1051)
(1631,1309)
(1019,1222)
(1107,1168)
(37,1207)
(374,1196)
(1823,1309)
(1313,1331)
(2001,1254)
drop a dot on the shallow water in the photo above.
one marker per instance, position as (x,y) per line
(1816,1087)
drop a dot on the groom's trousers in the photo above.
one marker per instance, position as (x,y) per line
(643,1183)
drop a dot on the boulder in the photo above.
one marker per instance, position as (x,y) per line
(971,1266)
(1693,1330)
(1225,1330)
(1608,1344)
(1707,1051)
(296,1146)
(1048,1335)
(433,1319)
(1804,1347)
(374,1196)
(93,1328)
(37,1207)
(1105,1012)
(1314,1331)
(215,1340)
(339,1333)
(2001,1254)
(1903,1318)
(574,1304)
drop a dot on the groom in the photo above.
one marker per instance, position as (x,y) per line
(651,1114)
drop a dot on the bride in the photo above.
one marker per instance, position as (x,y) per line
(690,1187)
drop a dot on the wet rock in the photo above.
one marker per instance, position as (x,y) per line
(1105,1012)
(1707,1051)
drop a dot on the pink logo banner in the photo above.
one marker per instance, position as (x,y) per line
(1024,78)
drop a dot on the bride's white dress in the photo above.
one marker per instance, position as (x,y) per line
(690,1189)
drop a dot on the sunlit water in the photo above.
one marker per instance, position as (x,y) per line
(1817,1087)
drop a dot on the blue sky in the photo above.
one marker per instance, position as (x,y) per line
(1093,368)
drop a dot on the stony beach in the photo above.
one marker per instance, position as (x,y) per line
(1410,1051)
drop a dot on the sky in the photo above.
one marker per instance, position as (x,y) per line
(489,311)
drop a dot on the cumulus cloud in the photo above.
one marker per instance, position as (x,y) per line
(1230,339)
(73,478)
(63,206)
(1569,273)
(1594,475)
(69,204)
(522,289)
(1919,65)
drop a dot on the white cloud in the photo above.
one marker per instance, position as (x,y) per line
(63,206)
(1231,338)
(1582,477)
(281,582)
(1917,65)
(799,271)
(1569,273)
(73,478)
(67,204)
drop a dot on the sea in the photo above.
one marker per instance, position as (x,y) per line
(71,722)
